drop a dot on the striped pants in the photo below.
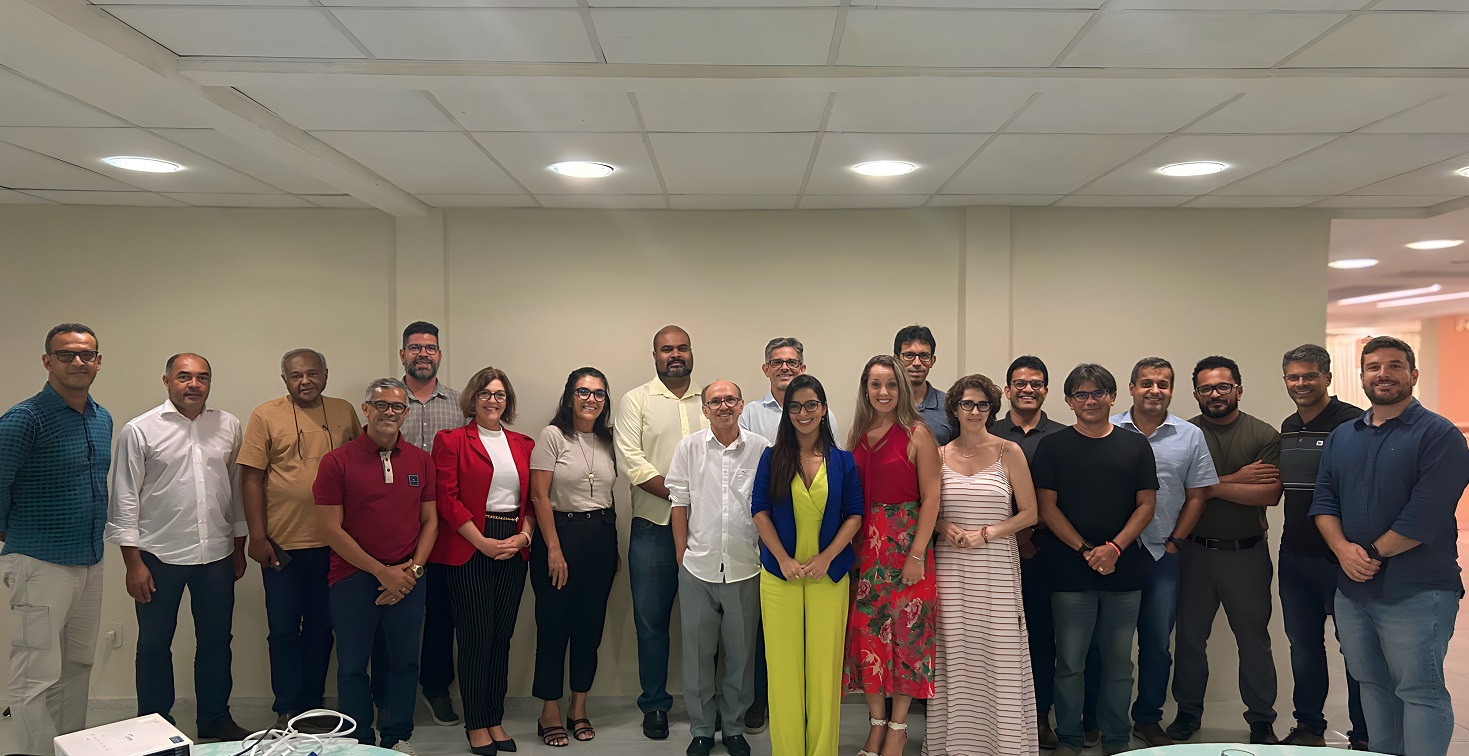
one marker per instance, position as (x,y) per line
(485,596)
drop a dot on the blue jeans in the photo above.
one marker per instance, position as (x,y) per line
(300,629)
(358,619)
(1396,649)
(1111,618)
(653,572)
(212,602)
(1155,618)
(1307,598)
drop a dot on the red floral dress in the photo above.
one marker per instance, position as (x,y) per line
(890,630)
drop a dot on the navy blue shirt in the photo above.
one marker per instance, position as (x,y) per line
(1406,476)
(53,479)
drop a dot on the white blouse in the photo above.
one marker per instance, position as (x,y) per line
(504,495)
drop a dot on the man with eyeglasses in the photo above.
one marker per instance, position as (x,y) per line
(55,448)
(375,507)
(1226,559)
(177,516)
(284,443)
(1185,472)
(710,481)
(1307,568)
(914,346)
(653,419)
(785,358)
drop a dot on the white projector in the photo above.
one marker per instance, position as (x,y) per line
(150,735)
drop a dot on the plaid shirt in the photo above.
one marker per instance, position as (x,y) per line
(426,419)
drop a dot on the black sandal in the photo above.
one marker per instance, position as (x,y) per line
(579,726)
(554,732)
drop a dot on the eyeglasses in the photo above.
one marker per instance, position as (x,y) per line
(499,396)
(1303,378)
(728,401)
(66,355)
(923,357)
(1081,397)
(1020,385)
(968,405)
(428,349)
(1219,388)
(583,393)
(796,408)
(397,408)
(778,364)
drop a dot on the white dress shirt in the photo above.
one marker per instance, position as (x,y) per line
(762,417)
(176,487)
(715,482)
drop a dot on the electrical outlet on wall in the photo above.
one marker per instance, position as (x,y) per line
(112,634)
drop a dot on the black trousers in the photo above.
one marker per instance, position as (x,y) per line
(484,595)
(212,601)
(574,614)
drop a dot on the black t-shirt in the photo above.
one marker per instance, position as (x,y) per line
(1096,481)
(1300,534)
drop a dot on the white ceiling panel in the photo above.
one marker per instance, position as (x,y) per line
(956,39)
(548,36)
(1163,39)
(318,109)
(1383,202)
(769,112)
(735,37)
(1445,115)
(1352,162)
(1118,200)
(1440,178)
(142,199)
(854,202)
(528,156)
(709,3)
(1243,154)
(236,3)
(936,155)
(1438,5)
(991,4)
(1224,200)
(23,169)
(1311,106)
(1386,40)
(87,147)
(992,200)
(424,163)
(604,201)
(335,200)
(478,200)
(1045,163)
(8,197)
(1239,5)
(731,202)
(245,160)
(540,111)
(926,110)
(238,200)
(30,104)
(1122,108)
(240,32)
(733,163)
(450,3)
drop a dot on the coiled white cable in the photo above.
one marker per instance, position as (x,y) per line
(291,742)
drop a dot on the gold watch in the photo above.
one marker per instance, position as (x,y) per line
(416,569)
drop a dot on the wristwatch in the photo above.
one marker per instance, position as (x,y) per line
(1176,541)
(1374,554)
(1085,547)
(416,569)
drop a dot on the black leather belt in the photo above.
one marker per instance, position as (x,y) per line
(580,516)
(1222,545)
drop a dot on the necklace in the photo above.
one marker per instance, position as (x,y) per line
(591,473)
(974,450)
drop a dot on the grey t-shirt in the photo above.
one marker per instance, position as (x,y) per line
(570,460)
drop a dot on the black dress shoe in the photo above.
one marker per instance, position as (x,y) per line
(655,726)
(736,745)
(1182,728)
(697,746)
(223,728)
(504,746)
(1263,733)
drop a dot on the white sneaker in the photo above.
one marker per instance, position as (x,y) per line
(404,746)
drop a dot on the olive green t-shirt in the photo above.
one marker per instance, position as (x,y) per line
(1245,441)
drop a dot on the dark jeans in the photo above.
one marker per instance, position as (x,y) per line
(1240,582)
(436,662)
(212,602)
(358,619)
(1109,618)
(1155,619)
(300,629)
(1307,598)
(653,572)
(574,615)
(1035,595)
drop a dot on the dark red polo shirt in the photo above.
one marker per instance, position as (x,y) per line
(382,517)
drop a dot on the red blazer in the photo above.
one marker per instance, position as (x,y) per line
(464,471)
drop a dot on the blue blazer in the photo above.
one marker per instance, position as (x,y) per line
(843,500)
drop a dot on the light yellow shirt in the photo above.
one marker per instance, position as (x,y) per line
(650,424)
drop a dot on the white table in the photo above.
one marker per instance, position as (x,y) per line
(1232,749)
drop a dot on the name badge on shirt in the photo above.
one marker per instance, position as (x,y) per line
(413,480)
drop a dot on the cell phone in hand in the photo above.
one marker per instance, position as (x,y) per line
(282,557)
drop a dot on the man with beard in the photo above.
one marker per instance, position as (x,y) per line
(1307,569)
(653,419)
(1385,498)
(914,347)
(1226,559)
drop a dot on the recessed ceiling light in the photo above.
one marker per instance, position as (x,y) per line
(884,168)
(1353,264)
(1434,289)
(583,169)
(1436,244)
(1200,168)
(144,164)
(1425,300)
(1463,171)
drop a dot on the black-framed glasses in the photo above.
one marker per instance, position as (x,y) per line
(1020,385)
(923,357)
(727,401)
(1213,388)
(397,408)
(969,405)
(1303,378)
(87,356)
(326,423)
(485,395)
(796,408)
(1083,396)
(428,349)
(778,364)
(583,393)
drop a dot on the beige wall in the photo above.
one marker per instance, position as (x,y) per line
(540,292)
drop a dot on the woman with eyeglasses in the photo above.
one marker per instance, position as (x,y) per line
(890,630)
(485,525)
(982,661)
(574,557)
(807,505)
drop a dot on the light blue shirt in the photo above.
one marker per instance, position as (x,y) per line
(763,419)
(1183,461)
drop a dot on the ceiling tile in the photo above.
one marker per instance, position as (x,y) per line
(992,200)
(1440,178)
(1383,202)
(266,3)
(1439,5)
(1045,163)
(713,110)
(424,163)
(318,109)
(539,111)
(8,197)
(922,110)
(709,3)
(30,104)
(731,202)
(1164,39)
(992,4)
(956,39)
(549,36)
(478,200)
(528,158)
(1445,115)
(245,160)
(87,147)
(238,200)
(936,155)
(1141,107)
(240,32)
(733,163)
(335,200)
(604,201)
(1310,106)
(450,3)
(1352,162)
(23,169)
(856,202)
(1117,200)
(1386,40)
(791,37)
(106,198)
(1224,200)
(1243,154)
(1238,5)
